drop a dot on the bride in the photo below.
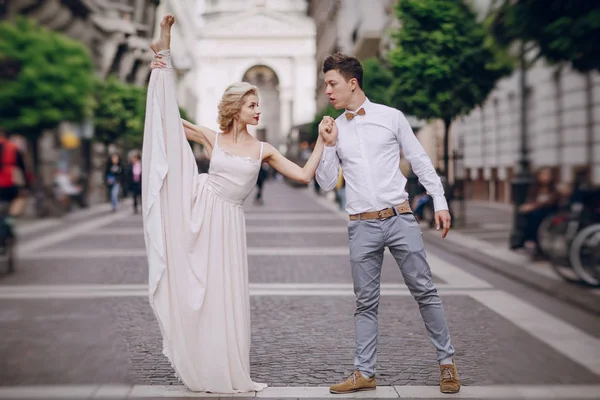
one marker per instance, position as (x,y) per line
(194,227)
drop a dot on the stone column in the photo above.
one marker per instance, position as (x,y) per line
(108,51)
(126,65)
(286,111)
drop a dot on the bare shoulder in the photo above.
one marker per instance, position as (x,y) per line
(269,150)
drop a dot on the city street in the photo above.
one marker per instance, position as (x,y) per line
(75,320)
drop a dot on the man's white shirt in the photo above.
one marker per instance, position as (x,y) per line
(368,149)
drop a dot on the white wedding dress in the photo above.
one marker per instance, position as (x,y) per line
(195,236)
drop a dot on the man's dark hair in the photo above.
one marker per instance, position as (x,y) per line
(349,67)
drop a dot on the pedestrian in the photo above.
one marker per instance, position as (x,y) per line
(114,179)
(194,227)
(542,201)
(340,190)
(135,180)
(260,182)
(368,147)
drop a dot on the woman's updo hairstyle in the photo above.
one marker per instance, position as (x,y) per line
(232,101)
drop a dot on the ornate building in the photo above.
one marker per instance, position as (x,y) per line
(117,33)
(270,43)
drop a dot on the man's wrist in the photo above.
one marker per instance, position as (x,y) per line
(440,203)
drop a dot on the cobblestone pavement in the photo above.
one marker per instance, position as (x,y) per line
(100,330)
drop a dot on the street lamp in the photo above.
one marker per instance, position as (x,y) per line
(458,186)
(523,178)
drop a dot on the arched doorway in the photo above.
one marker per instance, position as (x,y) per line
(267,82)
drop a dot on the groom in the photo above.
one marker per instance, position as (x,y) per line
(366,139)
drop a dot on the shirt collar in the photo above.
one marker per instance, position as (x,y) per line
(364,105)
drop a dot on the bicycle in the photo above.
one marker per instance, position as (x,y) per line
(573,253)
(585,255)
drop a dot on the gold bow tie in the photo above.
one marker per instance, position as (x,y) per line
(350,115)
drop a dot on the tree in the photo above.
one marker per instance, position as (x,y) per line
(377,79)
(559,30)
(445,63)
(50,80)
(119,113)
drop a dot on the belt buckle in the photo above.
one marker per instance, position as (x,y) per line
(381,217)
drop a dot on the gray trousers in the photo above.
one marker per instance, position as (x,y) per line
(402,235)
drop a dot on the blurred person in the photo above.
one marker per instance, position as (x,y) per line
(420,202)
(581,186)
(366,140)
(316,185)
(114,179)
(542,201)
(203,163)
(340,190)
(260,181)
(67,190)
(135,180)
(304,151)
(195,227)
(79,179)
(14,180)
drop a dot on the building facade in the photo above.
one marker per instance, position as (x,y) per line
(269,43)
(118,34)
(563,128)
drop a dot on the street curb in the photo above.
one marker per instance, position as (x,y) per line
(567,292)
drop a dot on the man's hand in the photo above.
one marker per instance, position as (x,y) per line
(525,208)
(328,131)
(442,219)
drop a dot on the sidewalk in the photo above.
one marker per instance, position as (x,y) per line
(484,240)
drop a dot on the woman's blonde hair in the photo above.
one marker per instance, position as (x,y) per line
(232,101)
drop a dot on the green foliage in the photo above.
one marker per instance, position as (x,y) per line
(377,79)
(561,30)
(52,78)
(445,64)
(120,111)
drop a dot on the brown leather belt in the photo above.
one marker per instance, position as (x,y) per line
(386,213)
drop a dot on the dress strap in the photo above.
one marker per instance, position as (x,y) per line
(217,139)
(261,151)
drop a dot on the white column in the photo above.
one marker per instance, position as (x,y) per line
(286,111)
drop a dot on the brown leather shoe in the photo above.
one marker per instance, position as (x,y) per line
(355,383)
(449,382)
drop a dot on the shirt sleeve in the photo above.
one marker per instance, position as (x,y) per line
(327,171)
(420,162)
